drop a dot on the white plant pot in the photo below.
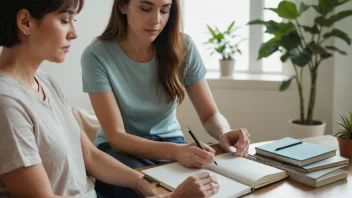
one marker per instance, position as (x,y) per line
(227,67)
(303,131)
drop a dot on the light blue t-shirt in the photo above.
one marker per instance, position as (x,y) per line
(106,67)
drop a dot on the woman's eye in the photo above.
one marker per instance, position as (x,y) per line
(63,21)
(164,11)
(145,9)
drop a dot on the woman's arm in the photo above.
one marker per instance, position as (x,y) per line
(214,122)
(29,182)
(105,168)
(109,116)
(109,170)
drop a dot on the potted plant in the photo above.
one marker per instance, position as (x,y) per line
(304,46)
(344,137)
(223,43)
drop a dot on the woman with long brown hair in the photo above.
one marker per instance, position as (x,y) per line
(136,73)
(43,151)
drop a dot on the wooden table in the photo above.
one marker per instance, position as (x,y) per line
(288,188)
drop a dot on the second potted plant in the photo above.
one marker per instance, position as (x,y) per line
(223,43)
(344,137)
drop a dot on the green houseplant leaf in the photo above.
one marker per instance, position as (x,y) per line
(303,7)
(301,57)
(268,48)
(340,34)
(334,18)
(333,48)
(286,83)
(286,9)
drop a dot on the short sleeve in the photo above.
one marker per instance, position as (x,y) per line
(195,69)
(18,147)
(94,76)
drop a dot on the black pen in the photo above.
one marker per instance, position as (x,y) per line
(197,142)
(286,146)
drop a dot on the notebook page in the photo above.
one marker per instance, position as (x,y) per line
(242,169)
(174,174)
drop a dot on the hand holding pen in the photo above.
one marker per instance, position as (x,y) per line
(197,142)
(192,156)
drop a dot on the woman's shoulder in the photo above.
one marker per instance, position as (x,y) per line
(98,47)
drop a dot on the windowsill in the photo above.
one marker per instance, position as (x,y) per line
(245,81)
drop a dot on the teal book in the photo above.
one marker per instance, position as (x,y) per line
(295,152)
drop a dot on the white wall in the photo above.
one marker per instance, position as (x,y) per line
(342,74)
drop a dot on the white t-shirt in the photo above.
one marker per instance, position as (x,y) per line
(33,131)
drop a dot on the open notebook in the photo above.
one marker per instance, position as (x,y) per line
(237,176)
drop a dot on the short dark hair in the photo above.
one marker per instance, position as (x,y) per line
(37,9)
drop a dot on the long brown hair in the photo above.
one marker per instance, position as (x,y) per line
(170,45)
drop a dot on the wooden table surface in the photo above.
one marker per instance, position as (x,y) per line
(288,188)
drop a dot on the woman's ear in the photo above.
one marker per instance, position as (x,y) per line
(23,22)
(122,9)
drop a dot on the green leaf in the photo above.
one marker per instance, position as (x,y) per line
(332,48)
(325,55)
(316,8)
(316,49)
(268,48)
(286,83)
(220,37)
(340,34)
(334,18)
(340,2)
(312,30)
(326,6)
(290,41)
(301,57)
(230,26)
(303,7)
(211,31)
(257,22)
(239,51)
(286,9)
(275,28)
(284,57)
(279,29)
(350,116)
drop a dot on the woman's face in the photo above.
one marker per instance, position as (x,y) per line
(50,37)
(147,18)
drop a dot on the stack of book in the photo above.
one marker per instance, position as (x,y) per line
(307,163)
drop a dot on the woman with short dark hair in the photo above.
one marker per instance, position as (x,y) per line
(43,151)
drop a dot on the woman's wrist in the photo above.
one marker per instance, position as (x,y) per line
(173,151)
(143,187)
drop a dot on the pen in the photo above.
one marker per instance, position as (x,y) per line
(289,145)
(197,142)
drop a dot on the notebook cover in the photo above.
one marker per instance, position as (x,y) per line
(299,152)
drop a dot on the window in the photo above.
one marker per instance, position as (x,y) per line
(199,13)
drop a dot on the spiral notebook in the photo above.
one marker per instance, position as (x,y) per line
(237,176)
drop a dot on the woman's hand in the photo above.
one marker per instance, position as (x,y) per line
(200,185)
(237,138)
(193,157)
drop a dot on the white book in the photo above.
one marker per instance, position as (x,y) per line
(237,176)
